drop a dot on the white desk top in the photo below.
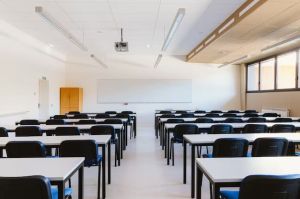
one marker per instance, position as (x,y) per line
(236,169)
(56,140)
(222,118)
(53,127)
(97,120)
(211,138)
(56,169)
(203,114)
(94,114)
(234,125)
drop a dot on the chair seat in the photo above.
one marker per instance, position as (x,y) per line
(225,194)
(95,162)
(176,140)
(54,192)
(207,155)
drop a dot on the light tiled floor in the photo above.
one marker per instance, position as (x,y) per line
(143,173)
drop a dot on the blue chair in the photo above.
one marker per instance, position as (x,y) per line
(221,129)
(255,128)
(266,187)
(25,149)
(269,147)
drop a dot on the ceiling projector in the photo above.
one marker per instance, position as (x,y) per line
(121,46)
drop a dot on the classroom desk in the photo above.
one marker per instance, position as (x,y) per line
(227,172)
(209,139)
(103,141)
(58,170)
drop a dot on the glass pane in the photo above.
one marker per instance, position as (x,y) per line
(253,77)
(267,74)
(286,71)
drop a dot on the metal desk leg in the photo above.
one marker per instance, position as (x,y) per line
(80,182)
(193,171)
(184,161)
(103,171)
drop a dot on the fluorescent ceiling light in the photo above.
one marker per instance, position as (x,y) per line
(233,61)
(174,27)
(281,43)
(98,61)
(51,20)
(158,60)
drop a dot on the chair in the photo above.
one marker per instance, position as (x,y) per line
(216,111)
(187,115)
(283,119)
(25,149)
(67,131)
(233,111)
(165,112)
(212,115)
(269,147)
(229,115)
(29,122)
(233,120)
(127,112)
(250,115)
(102,115)
(179,131)
(255,128)
(3,133)
(87,122)
(283,128)
(167,116)
(83,148)
(181,112)
(204,120)
(199,111)
(74,112)
(221,129)
(24,131)
(60,117)
(110,112)
(266,187)
(250,111)
(113,121)
(270,115)
(55,122)
(175,121)
(81,116)
(257,120)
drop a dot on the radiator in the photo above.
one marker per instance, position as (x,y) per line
(283,112)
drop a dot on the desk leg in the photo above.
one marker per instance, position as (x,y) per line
(80,183)
(193,171)
(165,141)
(109,162)
(103,171)
(216,192)
(184,161)
(126,134)
(135,122)
(61,189)
(199,183)
(168,147)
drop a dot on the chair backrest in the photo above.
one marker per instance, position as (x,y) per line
(103,130)
(29,187)
(233,111)
(87,122)
(3,132)
(180,112)
(127,112)
(250,111)
(283,128)
(175,121)
(204,120)
(111,112)
(229,115)
(165,112)
(81,116)
(216,111)
(255,128)
(233,120)
(74,112)
(55,122)
(80,148)
(167,116)
(113,121)
(60,117)
(200,111)
(230,147)
(270,115)
(220,129)
(67,131)
(182,129)
(187,115)
(123,115)
(29,122)
(25,149)
(212,115)
(283,119)
(269,147)
(102,115)
(24,131)
(250,115)
(257,120)
(272,187)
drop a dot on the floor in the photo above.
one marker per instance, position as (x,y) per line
(143,173)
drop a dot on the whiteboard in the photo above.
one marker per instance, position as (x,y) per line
(144,91)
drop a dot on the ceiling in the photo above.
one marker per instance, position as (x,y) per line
(97,22)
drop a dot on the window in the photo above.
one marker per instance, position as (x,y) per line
(267,74)
(286,71)
(253,77)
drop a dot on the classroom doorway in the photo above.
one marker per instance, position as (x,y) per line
(43,99)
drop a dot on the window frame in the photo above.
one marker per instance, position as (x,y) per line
(275,57)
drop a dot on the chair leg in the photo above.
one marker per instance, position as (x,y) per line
(210,190)
(99,180)
(173,152)
(199,150)
(116,153)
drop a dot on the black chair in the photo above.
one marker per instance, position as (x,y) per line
(212,115)
(270,115)
(67,131)
(24,131)
(250,115)
(167,116)
(29,187)
(199,111)
(25,149)
(233,111)
(81,116)
(87,122)
(74,112)
(187,115)
(233,120)
(107,130)
(29,122)
(165,112)
(110,112)
(257,120)
(179,131)
(122,115)
(83,148)
(283,119)
(266,187)
(221,129)
(55,122)
(269,147)
(229,115)
(255,128)
(127,112)
(204,120)
(216,111)
(181,112)
(60,117)
(250,111)
(102,115)
(113,121)
(175,121)
(283,128)
(3,133)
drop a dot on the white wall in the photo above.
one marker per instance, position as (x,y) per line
(213,88)
(24,60)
